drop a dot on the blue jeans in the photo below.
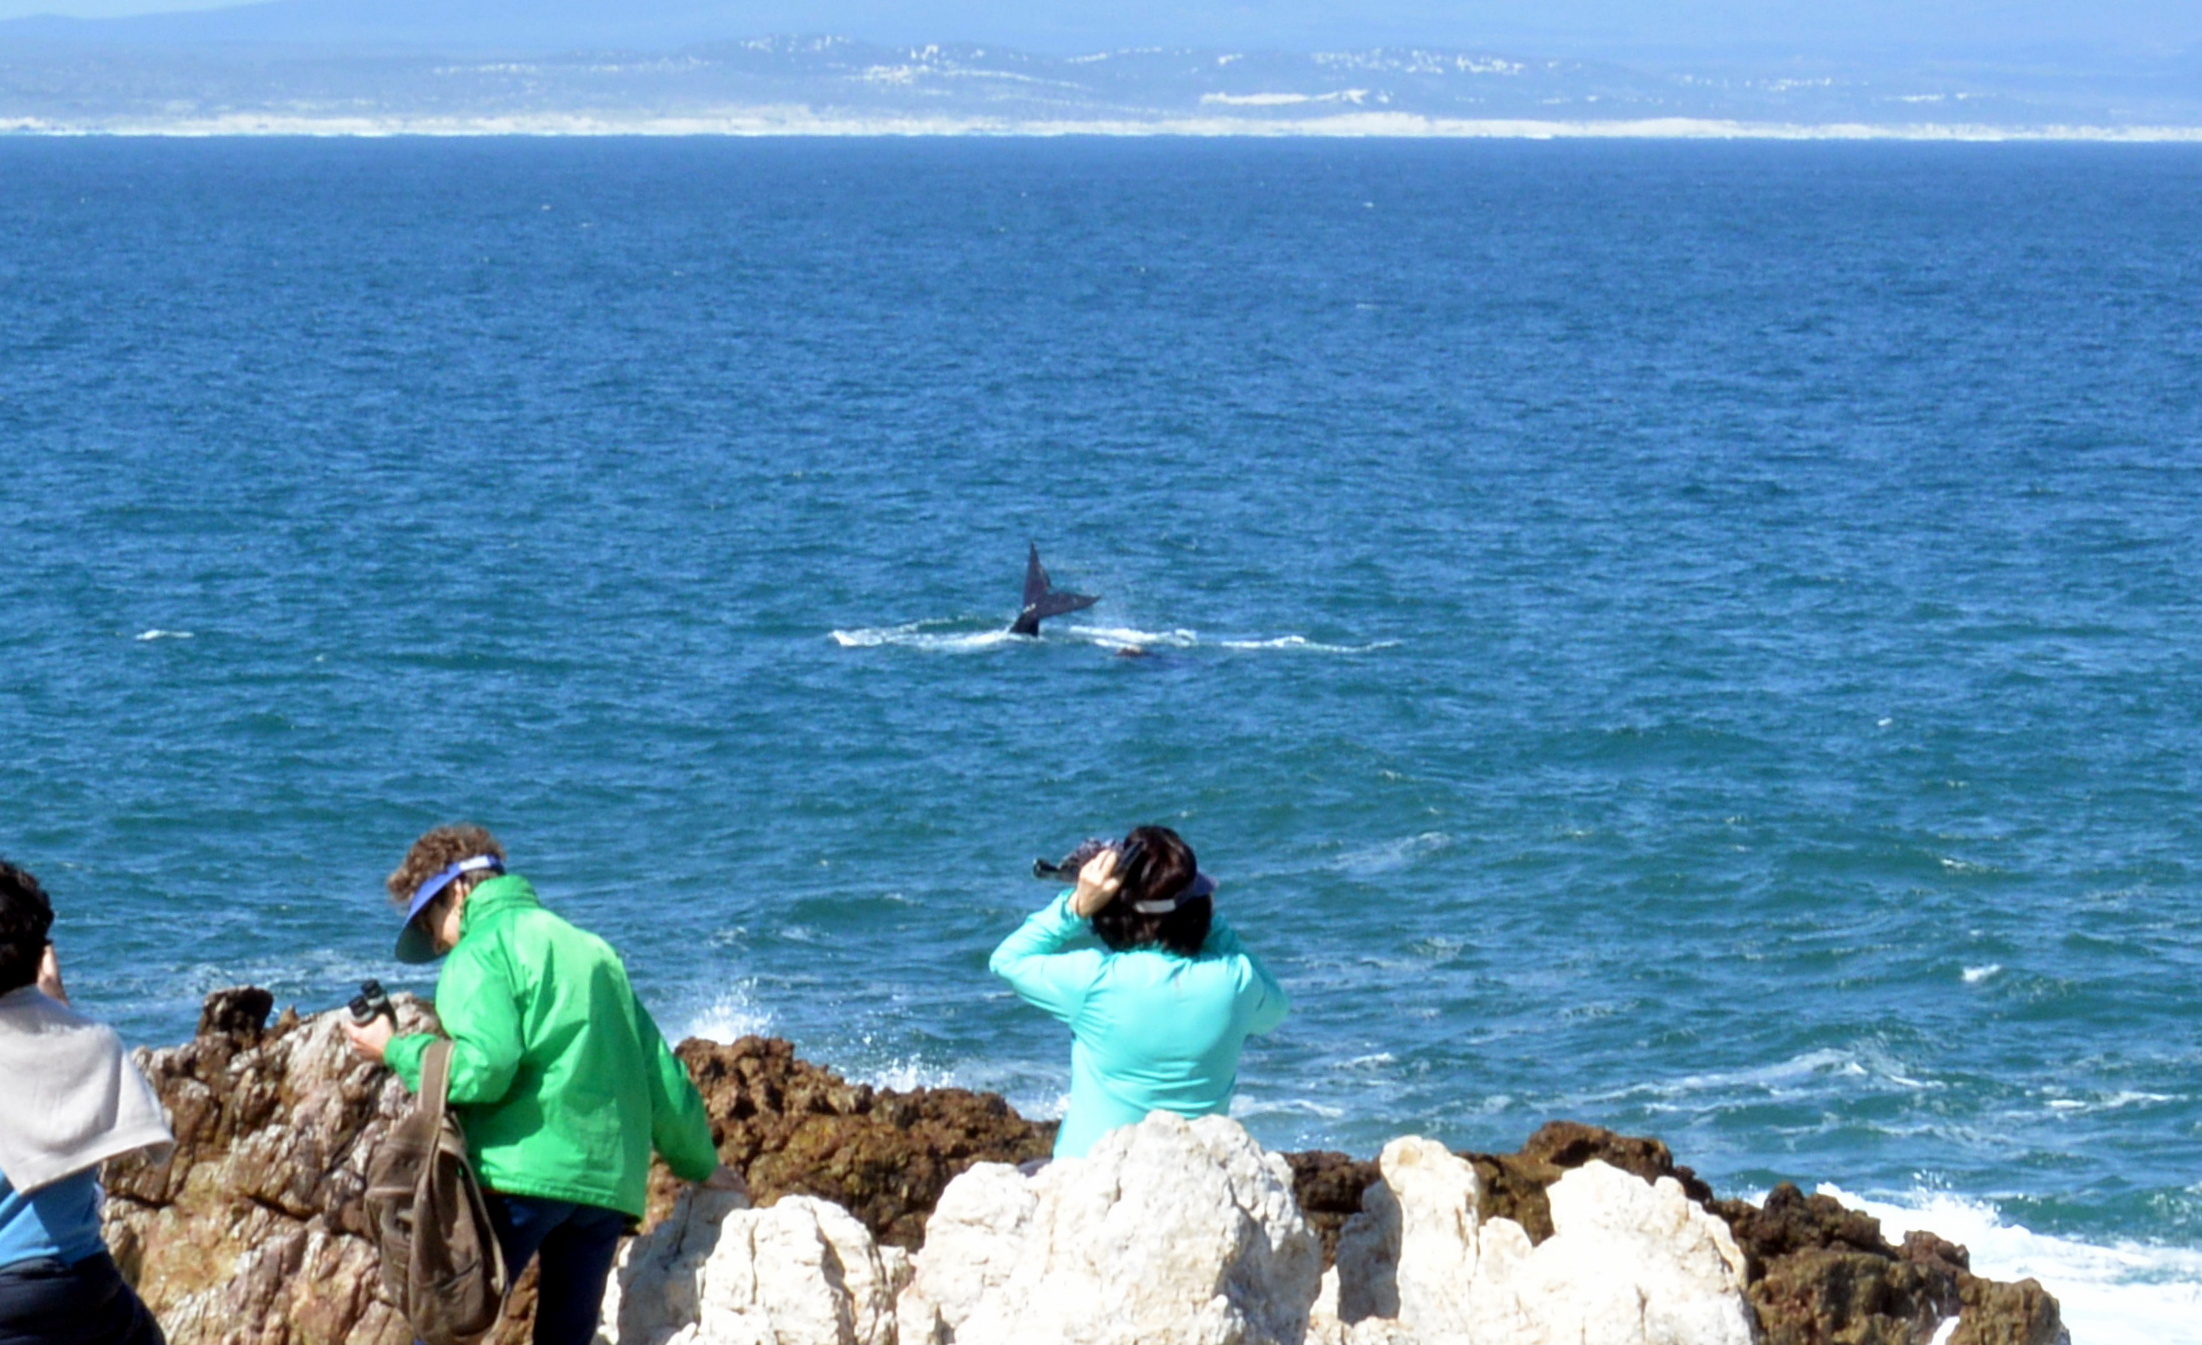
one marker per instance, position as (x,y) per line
(48,1302)
(577,1244)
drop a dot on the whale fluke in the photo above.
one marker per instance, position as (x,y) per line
(1042,601)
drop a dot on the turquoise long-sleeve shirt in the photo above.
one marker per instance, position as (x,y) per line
(1151,1030)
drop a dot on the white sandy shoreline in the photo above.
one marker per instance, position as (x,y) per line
(804,122)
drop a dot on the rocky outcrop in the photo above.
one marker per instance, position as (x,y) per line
(251,1232)
(1628,1262)
(794,1128)
(1822,1274)
(717,1272)
(1170,1232)
(1817,1272)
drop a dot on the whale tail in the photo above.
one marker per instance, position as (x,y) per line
(1041,601)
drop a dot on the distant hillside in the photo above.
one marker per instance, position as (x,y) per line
(57,76)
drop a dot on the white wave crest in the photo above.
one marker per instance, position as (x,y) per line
(1797,1076)
(916,635)
(2125,1293)
(1393,855)
(944,636)
(2108,1102)
(1975,975)
(1312,646)
(1131,637)
(158,634)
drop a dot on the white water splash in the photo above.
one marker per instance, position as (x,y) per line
(730,1017)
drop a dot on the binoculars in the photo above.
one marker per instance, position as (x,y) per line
(371,1003)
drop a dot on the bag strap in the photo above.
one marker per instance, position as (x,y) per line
(435,1081)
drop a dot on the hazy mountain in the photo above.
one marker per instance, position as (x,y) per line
(568,64)
(1860,34)
(836,83)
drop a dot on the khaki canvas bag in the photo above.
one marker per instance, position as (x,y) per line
(440,1261)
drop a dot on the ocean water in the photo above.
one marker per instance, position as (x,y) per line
(1702,639)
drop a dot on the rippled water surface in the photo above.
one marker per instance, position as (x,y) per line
(1697,638)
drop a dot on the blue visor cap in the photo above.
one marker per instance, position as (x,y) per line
(1201,886)
(415,943)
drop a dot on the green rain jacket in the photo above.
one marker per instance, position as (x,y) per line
(563,1082)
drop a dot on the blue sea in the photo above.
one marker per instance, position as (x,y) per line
(1704,639)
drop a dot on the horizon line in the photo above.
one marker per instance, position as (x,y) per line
(801,123)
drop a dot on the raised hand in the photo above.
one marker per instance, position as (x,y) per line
(1097,885)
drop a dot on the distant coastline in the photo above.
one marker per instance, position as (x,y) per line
(799,122)
(132,81)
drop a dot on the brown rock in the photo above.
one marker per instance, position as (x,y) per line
(1328,1185)
(241,1012)
(1822,1274)
(1827,1296)
(249,1231)
(794,1128)
(1513,1185)
(1997,1313)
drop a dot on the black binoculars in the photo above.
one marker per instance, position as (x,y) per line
(371,1003)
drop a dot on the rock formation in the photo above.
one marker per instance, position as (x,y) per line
(250,1232)
(717,1272)
(1628,1263)
(885,1156)
(1170,1232)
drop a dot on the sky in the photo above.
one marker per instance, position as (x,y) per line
(1616,29)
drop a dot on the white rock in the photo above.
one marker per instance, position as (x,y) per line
(1629,1263)
(972,1241)
(803,1272)
(1168,1233)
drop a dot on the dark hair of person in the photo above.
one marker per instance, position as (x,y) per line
(1166,869)
(438,850)
(26,918)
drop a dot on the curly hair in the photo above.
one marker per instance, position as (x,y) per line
(26,918)
(438,850)
(1166,869)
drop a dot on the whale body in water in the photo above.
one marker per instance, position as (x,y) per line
(1041,600)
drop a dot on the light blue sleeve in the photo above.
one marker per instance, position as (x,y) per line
(1040,964)
(1261,1001)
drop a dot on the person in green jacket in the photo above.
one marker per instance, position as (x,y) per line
(1157,1013)
(562,1080)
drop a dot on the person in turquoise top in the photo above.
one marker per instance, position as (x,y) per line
(558,1074)
(1158,1012)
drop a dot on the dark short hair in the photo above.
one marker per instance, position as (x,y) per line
(26,918)
(1166,869)
(436,851)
